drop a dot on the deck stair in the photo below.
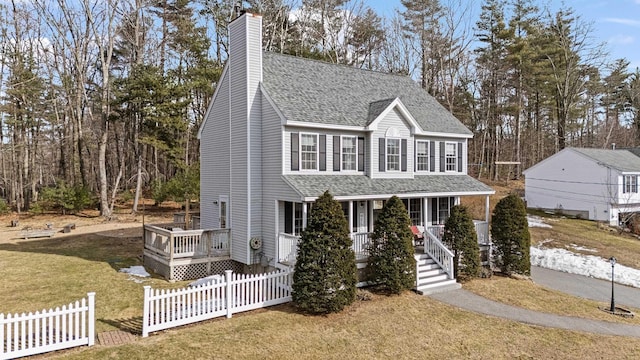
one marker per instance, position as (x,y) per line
(431,278)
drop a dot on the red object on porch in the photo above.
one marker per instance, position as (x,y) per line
(416,233)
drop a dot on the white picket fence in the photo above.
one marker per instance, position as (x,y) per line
(54,329)
(164,309)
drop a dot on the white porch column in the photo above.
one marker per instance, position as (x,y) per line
(486,209)
(350,216)
(304,215)
(425,211)
(370,209)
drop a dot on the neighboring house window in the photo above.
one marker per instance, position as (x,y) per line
(422,155)
(451,156)
(393,154)
(630,184)
(308,151)
(349,153)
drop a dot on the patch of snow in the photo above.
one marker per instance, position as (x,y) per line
(206,280)
(582,248)
(587,265)
(138,271)
(536,221)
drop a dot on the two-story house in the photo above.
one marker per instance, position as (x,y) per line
(280,130)
(595,184)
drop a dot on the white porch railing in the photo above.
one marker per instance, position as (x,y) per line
(169,241)
(439,253)
(288,246)
(49,330)
(481,227)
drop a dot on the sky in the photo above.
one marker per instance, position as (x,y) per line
(614,22)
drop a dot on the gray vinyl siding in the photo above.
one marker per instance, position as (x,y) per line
(392,119)
(214,156)
(437,141)
(274,187)
(286,155)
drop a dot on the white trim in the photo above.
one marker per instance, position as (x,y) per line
(445,135)
(213,100)
(396,103)
(404,196)
(313,125)
(248,134)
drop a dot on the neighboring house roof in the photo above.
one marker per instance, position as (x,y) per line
(622,160)
(312,186)
(312,91)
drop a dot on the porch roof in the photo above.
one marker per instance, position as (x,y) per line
(354,187)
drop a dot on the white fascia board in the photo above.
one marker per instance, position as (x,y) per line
(445,135)
(406,195)
(312,125)
(415,128)
(213,100)
(545,160)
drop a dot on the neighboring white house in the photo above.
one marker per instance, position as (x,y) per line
(596,184)
(281,130)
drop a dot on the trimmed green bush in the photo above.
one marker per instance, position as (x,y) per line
(324,280)
(460,236)
(510,235)
(392,265)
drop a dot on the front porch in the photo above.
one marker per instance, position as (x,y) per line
(179,254)
(434,261)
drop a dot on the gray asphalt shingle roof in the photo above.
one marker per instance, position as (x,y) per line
(622,160)
(359,185)
(313,91)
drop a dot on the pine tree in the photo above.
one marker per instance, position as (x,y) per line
(324,280)
(510,234)
(460,236)
(392,266)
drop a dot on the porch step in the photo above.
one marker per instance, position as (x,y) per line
(431,278)
(438,287)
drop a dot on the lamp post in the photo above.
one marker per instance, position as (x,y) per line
(612,260)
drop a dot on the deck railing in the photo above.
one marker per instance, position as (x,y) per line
(171,242)
(288,246)
(439,253)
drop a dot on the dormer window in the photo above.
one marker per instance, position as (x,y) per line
(393,154)
(392,151)
(308,151)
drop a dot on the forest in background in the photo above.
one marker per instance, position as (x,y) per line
(103,98)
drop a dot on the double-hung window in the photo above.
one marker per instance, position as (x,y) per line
(308,151)
(451,156)
(630,184)
(393,154)
(422,155)
(349,153)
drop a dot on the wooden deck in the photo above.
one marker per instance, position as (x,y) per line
(179,254)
